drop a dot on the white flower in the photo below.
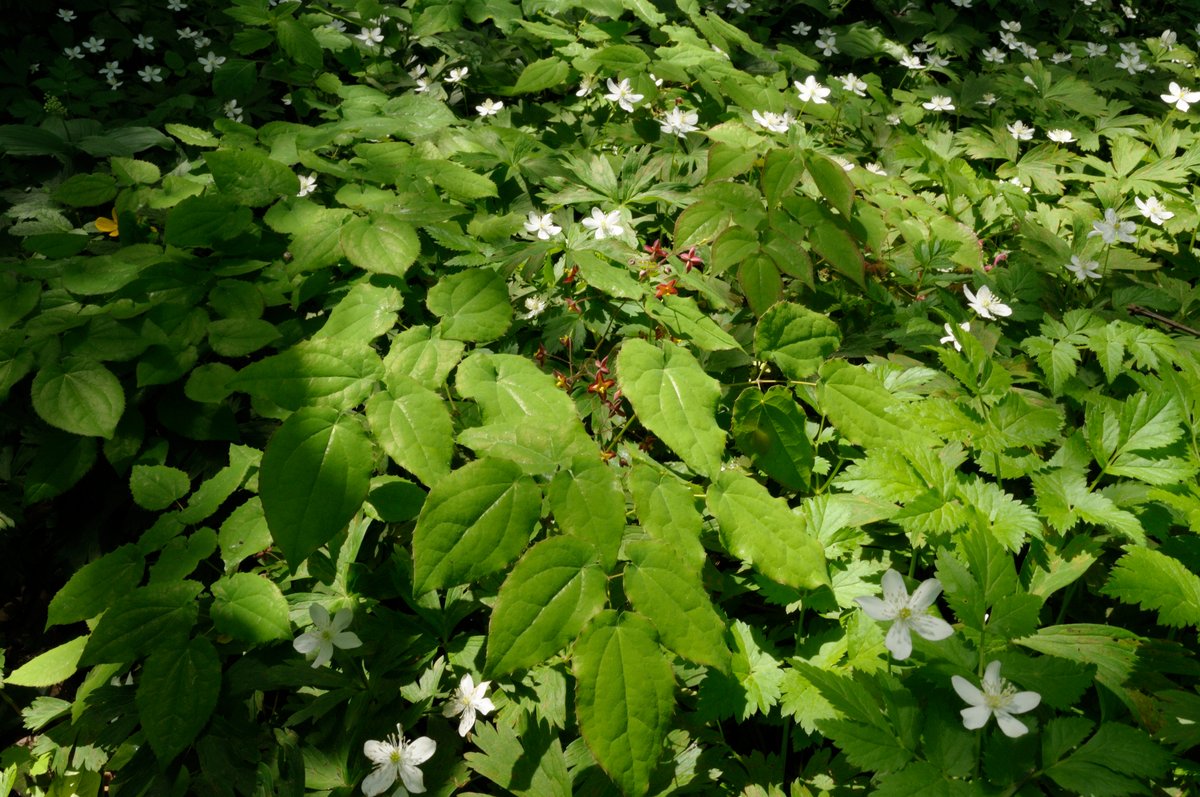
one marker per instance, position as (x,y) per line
(176,5)
(679,122)
(828,45)
(1168,37)
(605,225)
(1153,209)
(144,42)
(211,61)
(308,184)
(938,103)
(994,55)
(1028,50)
(396,758)
(233,111)
(853,83)
(738,6)
(113,83)
(906,613)
(987,99)
(469,698)
(1060,136)
(326,634)
(1009,40)
(151,74)
(922,47)
(423,85)
(542,225)
(840,161)
(985,303)
(1112,229)
(775,122)
(965,326)
(962,3)
(800,29)
(66,15)
(72,53)
(185,34)
(1180,97)
(622,94)
(935,60)
(1084,269)
(893,119)
(200,42)
(1014,26)
(655,79)
(1020,131)
(94,45)
(336,24)
(111,70)
(811,91)
(536,305)
(1094,50)
(1060,58)
(875,168)
(490,107)
(911,62)
(370,36)
(1129,12)
(1131,63)
(586,86)
(458,73)
(998,697)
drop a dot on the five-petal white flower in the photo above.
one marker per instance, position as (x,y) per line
(605,225)
(326,634)
(938,103)
(396,758)
(998,697)
(679,122)
(1112,229)
(1060,136)
(211,61)
(775,122)
(1020,131)
(622,94)
(1084,269)
(467,701)
(1180,97)
(811,91)
(308,184)
(370,36)
(906,612)
(1153,209)
(490,107)
(542,225)
(985,303)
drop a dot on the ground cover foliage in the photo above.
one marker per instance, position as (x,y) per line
(641,398)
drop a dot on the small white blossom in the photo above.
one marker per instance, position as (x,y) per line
(934,60)
(938,103)
(111,69)
(679,122)
(775,122)
(911,62)
(1180,97)
(1084,269)
(1020,131)
(211,61)
(811,91)
(94,45)
(985,303)
(176,5)
(738,6)
(906,613)
(394,757)
(800,29)
(587,85)
(66,15)
(1128,11)
(1112,229)
(469,698)
(1013,26)
(1095,50)
(1060,58)
(144,42)
(827,45)
(308,184)
(986,99)
(370,36)
(965,326)
(73,53)
(1153,209)
(853,83)
(233,111)
(336,24)
(875,168)
(1060,136)
(458,74)
(994,55)
(490,107)
(962,3)
(151,74)
(1168,37)
(186,34)
(998,697)
(325,634)
(622,94)
(605,225)
(1131,63)
(542,225)
(536,305)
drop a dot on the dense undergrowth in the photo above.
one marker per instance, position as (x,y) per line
(626,397)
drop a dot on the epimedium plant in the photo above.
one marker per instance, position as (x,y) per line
(539,404)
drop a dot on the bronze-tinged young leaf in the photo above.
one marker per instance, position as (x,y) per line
(476,521)
(315,475)
(672,596)
(552,591)
(624,695)
(770,428)
(796,339)
(1156,582)
(177,691)
(763,532)
(675,399)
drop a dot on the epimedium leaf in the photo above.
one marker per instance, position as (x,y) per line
(176,693)
(299,43)
(684,318)
(839,250)
(156,487)
(205,221)
(413,426)
(763,532)
(666,510)
(832,182)
(315,474)
(96,586)
(796,339)
(473,305)
(237,337)
(587,501)
(381,244)
(551,592)
(79,396)
(760,280)
(250,608)
(249,176)
(363,314)
(863,410)
(475,521)
(52,667)
(324,372)
(770,428)
(673,598)
(420,353)
(624,695)
(146,619)
(244,533)
(675,399)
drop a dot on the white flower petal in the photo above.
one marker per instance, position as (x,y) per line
(875,608)
(1022,702)
(929,627)
(924,595)
(324,654)
(420,751)
(468,720)
(346,640)
(306,643)
(319,615)
(341,620)
(967,690)
(894,590)
(413,779)
(379,781)
(975,717)
(1011,726)
(898,640)
(378,752)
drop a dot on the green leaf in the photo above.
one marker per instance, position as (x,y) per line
(300,43)
(250,608)
(781,172)
(421,354)
(763,532)
(96,586)
(1156,582)
(205,221)
(684,318)
(759,277)
(79,396)
(624,695)
(177,691)
(833,183)
(414,427)
(1111,649)
(192,136)
(796,339)
(156,487)
(550,594)
(863,410)
(315,474)
(146,619)
(995,511)
(473,305)
(86,190)
(129,171)
(701,222)
(673,598)
(867,746)
(323,372)
(587,501)
(839,250)
(667,512)
(363,314)
(541,75)
(476,521)
(675,399)
(237,337)
(770,428)
(381,244)
(52,667)
(1118,760)
(529,765)
(60,461)
(244,533)
(250,177)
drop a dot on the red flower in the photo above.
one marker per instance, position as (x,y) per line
(664,288)
(690,258)
(600,385)
(656,251)
(569,277)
